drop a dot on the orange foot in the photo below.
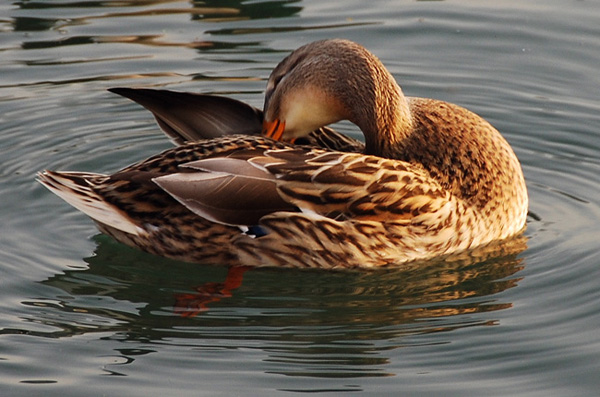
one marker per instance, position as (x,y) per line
(189,305)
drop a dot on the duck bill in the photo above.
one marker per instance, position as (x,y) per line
(273,129)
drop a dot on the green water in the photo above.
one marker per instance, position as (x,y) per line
(83,315)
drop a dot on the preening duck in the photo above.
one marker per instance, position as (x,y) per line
(431,179)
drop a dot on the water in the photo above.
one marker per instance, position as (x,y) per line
(83,315)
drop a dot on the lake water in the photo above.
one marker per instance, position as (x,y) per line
(83,315)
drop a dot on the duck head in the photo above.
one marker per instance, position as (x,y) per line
(331,80)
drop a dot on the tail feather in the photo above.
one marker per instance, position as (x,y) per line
(76,188)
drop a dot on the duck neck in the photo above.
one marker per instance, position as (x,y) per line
(389,120)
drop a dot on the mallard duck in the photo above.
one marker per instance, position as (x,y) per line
(431,179)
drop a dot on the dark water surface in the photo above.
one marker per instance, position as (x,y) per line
(83,315)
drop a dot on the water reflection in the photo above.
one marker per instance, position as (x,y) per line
(32,24)
(201,11)
(252,10)
(40,5)
(310,323)
(207,11)
(109,10)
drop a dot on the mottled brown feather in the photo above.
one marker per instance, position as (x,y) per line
(433,178)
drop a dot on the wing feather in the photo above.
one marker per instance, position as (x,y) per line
(76,189)
(226,190)
(354,185)
(187,117)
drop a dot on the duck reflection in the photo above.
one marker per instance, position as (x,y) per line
(189,305)
(472,274)
(305,321)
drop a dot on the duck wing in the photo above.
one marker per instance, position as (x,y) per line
(354,186)
(225,190)
(189,117)
(243,186)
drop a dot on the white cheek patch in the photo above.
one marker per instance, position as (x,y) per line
(309,108)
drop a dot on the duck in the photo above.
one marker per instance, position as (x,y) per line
(279,187)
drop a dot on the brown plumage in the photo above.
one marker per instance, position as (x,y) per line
(433,178)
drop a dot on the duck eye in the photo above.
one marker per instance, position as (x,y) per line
(278,79)
(271,86)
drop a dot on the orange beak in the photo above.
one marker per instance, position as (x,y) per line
(273,129)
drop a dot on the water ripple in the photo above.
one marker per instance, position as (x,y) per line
(512,320)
